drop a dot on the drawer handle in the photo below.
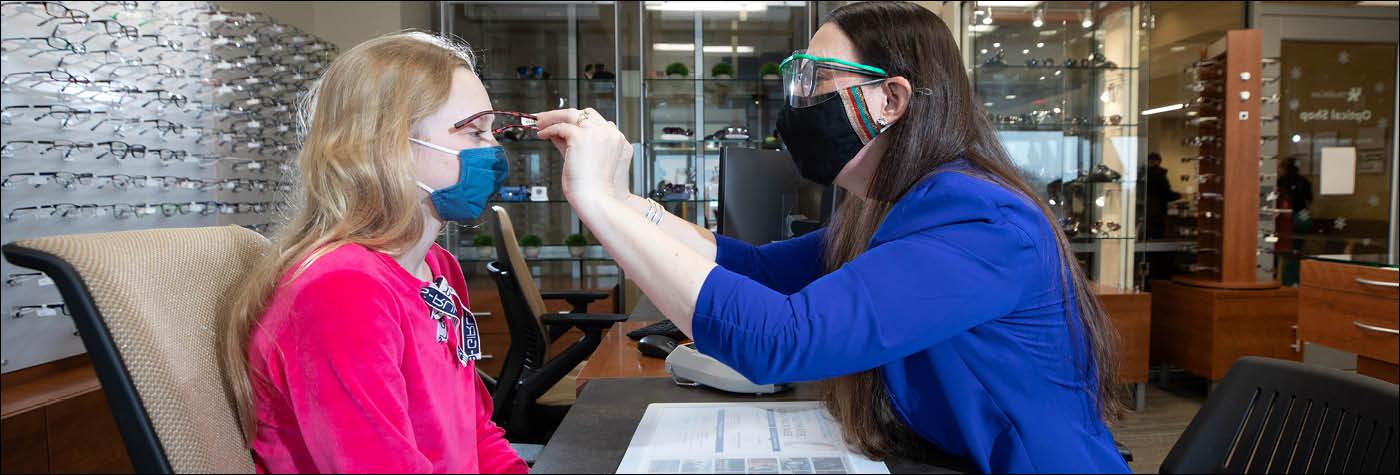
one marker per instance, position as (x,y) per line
(1373,328)
(1377,283)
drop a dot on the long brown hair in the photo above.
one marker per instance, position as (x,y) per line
(355,181)
(910,41)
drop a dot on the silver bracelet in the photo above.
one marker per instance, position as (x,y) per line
(654,211)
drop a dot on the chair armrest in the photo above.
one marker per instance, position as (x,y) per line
(583,320)
(578,298)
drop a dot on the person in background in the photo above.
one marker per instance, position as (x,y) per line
(1294,193)
(942,308)
(351,349)
(1156,191)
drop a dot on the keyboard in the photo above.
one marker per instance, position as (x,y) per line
(661,327)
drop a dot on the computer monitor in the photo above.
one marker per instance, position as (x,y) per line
(759,192)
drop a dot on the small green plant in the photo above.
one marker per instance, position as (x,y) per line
(575,240)
(722,69)
(769,69)
(483,240)
(677,69)
(531,240)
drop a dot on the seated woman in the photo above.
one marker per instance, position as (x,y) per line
(350,349)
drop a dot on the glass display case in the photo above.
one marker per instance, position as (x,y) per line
(535,56)
(696,101)
(1061,82)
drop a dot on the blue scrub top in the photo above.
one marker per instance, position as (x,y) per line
(958,300)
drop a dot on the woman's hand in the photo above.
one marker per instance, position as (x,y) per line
(597,156)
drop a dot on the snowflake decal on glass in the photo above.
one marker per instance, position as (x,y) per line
(1374,201)
(1380,86)
(1340,223)
(1296,72)
(1343,57)
(1293,104)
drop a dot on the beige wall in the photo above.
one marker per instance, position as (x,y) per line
(345,24)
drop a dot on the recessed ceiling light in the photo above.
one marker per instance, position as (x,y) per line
(1010,96)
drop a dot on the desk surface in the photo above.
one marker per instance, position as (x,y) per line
(617,357)
(595,434)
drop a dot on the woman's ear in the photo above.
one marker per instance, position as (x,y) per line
(898,94)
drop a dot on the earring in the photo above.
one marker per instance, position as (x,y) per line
(882,121)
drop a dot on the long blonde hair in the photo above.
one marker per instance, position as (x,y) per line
(356,182)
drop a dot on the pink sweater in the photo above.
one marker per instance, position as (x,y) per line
(348,375)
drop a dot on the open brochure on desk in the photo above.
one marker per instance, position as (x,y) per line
(758,437)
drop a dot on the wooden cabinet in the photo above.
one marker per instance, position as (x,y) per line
(55,419)
(1353,308)
(1204,330)
(1131,314)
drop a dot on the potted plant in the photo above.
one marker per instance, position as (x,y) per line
(722,71)
(577,244)
(677,70)
(770,71)
(531,243)
(485,246)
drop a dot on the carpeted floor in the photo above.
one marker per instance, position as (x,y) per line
(1150,434)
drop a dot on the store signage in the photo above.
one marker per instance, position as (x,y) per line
(1352,95)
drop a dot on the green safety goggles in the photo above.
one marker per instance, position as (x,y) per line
(803,87)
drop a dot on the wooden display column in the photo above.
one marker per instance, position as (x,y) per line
(1206,320)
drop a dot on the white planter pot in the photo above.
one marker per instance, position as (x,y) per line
(723,76)
(486,252)
(675,76)
(771,76)
(577,251)
(532,252)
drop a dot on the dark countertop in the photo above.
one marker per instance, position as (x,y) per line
(595,434)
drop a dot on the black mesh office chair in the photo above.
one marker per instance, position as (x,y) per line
(528,371)
(1276,416)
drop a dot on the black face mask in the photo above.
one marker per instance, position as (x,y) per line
(824,137)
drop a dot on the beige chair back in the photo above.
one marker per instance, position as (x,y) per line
(509,248)
(160,293)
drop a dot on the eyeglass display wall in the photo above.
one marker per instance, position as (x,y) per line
(135,115)
(1061,83)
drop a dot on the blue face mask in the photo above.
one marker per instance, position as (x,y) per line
(482,171)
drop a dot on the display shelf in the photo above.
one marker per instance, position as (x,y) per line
(1057,121)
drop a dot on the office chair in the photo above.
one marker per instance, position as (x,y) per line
(147,305)
(1277,416)
(528,371)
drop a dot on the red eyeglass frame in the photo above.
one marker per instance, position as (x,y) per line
(497,131)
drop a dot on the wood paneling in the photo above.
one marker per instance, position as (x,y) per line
(26,448)
(1205,330)
(1241,162)
(83,437)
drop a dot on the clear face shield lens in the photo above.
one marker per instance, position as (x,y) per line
(808,82)
(800,82)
